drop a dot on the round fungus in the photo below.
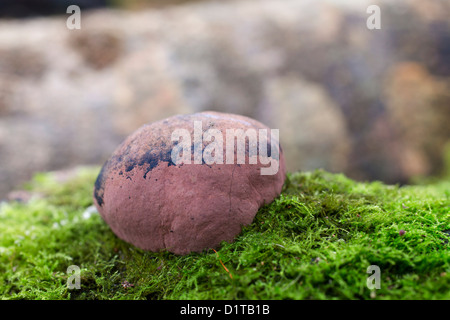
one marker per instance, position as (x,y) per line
(187,183)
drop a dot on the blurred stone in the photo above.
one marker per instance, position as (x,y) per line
(345,98)
(98,49)
(21,196)
(418,105)
(304,112)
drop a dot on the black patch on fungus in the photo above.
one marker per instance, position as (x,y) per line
(99,188)
(152,158)
(269,149)
(156,152)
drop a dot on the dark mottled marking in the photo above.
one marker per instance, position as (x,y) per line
(269,149)
(157,153)
(153,158)
(100,185)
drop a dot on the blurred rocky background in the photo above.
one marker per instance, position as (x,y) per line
(374,104)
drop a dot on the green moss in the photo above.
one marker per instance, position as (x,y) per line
(315,241)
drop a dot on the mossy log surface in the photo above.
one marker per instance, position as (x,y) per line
(315,241)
